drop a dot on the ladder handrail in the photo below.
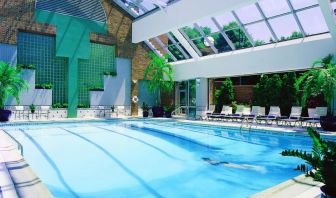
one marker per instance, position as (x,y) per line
(20,147)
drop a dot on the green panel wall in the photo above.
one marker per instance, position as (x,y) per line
(102,59)
(73,42)
(40,50)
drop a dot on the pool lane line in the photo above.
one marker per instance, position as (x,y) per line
(117,161)
(220,136)
(188,139)
(52,163)
(141,141)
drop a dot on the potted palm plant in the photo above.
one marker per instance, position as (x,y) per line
(160,74)
(320,80)
(322,159)
(145,110)
(168,110)
(11,84)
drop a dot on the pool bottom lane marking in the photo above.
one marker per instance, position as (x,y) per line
(52,163)
(117,161)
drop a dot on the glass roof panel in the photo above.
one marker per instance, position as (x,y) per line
(285,27)
(274,7)
(298,4)
(139,7)
(220,42)
(248,14)
(203,46)
(176,52)
(312,21)
(191,32)
(238,38)
(208,26)
(260,33)
(225,19)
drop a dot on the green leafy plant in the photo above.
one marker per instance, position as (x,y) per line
(83,106)
(96,88)
(260,92)
(225,94)
(111,73)
(289,93)
(44,86)
(319,80)
(160,75)
(32,108)
(11,83)
(169,108)
(22,66)
(145,107)
(274,85)
(60,105)
(322,159)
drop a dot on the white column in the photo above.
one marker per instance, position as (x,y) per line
(201,96)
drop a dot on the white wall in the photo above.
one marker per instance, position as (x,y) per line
(117,89)
(180,14)
(285,56)
(32,95)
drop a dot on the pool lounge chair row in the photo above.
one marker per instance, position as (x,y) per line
(257,114)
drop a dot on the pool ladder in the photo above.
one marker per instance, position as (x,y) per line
(19,145)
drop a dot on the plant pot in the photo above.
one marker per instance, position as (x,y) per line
(4,115)
(168,114)
(157,112)
(327,193)
(32,111)
(328,123)
(145,114)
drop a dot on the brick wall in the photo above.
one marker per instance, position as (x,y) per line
(243,93)
(18,15)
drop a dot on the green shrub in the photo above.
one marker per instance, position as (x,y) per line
(289,93)
(96,88)
(260,92)
(274,85)
(224,95)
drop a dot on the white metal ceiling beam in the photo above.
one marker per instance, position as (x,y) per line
(329,17)
(180,14)
(186,44)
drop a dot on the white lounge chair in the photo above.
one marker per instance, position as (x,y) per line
(226,110)
(255,112)
(238,115)
(294,117)
(314,116)
(273,115)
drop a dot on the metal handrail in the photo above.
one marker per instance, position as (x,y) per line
(20,147)
(178,109)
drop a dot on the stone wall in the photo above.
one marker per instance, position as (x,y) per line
(18,16)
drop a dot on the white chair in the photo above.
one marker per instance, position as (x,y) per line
(44,111)
(19,112)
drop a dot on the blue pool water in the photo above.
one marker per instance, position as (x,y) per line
(155,159)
